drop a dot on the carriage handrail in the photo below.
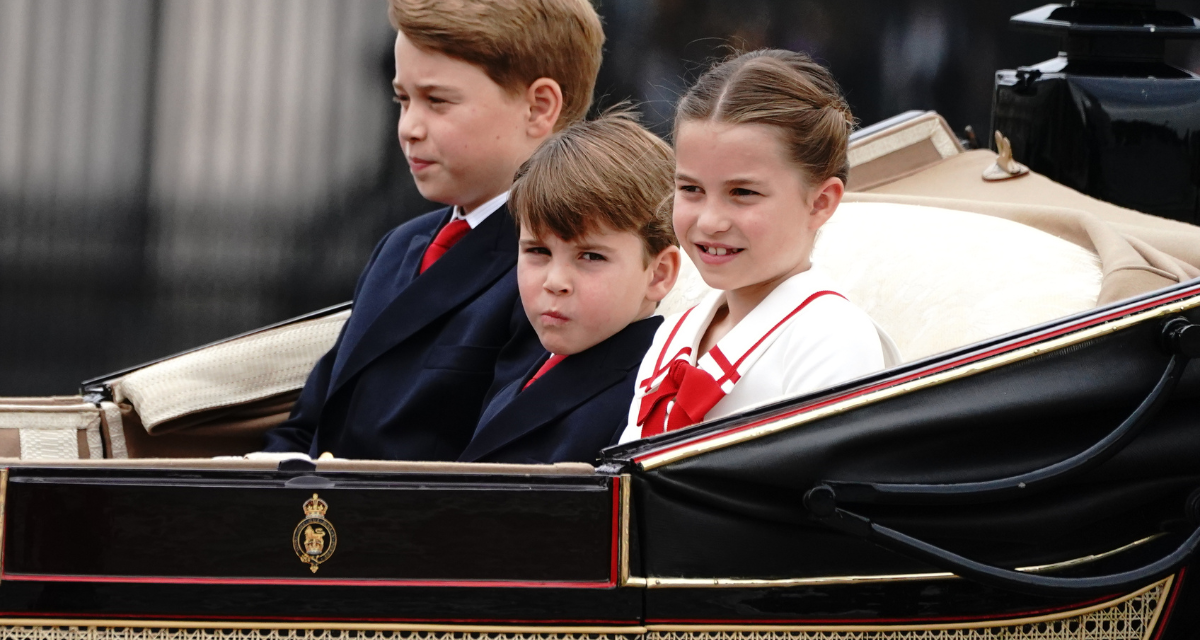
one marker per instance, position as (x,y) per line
(1180,337)
(1009,579)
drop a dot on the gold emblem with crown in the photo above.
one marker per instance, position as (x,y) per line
(314,539)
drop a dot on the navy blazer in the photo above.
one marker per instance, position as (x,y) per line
(418,357)
(570,413)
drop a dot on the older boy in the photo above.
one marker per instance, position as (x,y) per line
(436,319)
(597,255)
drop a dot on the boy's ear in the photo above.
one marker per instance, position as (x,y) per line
(827,197)
(664,270)
(545,100)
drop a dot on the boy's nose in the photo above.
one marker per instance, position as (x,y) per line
(410,127)
(558,281)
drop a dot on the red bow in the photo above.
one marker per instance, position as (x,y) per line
(694,392)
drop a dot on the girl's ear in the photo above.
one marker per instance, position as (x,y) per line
(826,198)
(545,100)
(664,269)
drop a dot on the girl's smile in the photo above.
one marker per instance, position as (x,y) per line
(743,210)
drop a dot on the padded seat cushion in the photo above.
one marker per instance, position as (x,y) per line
(937,279)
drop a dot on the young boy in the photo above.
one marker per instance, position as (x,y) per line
(597,255)
(436,319)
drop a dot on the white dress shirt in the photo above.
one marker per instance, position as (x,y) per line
(481,212)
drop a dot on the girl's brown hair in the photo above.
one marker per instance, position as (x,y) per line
(787,90)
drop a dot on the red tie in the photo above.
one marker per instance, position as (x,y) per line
(445,239)
(692,389)
(546,366)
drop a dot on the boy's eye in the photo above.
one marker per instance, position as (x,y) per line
(592,256)
(740,192)
(399,99)
(537,251)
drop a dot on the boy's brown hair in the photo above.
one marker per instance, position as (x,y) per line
(515,42)
(785,89)
(608,173)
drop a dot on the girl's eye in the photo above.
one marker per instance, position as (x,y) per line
(592,256)
(740,192)
(689,188)
(400,99)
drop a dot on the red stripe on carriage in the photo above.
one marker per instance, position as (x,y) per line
(140,617)
(1165,618)
(331,582)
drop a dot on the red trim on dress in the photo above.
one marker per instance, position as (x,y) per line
(1084,324)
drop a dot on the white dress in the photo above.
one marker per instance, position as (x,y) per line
(803,337)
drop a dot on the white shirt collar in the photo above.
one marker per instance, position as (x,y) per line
(481,212)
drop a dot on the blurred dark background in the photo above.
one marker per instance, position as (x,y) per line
(176,171)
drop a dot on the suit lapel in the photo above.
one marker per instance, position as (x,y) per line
(572,383)
(472,265)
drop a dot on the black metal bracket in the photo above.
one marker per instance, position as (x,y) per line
(1180,338)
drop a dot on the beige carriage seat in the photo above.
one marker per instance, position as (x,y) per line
(50,428)
(218,400)
(899,147)
(914,159)
(936,279)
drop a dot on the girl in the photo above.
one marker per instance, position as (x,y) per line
(760,144)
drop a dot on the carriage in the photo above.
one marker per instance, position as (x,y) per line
(1029,471)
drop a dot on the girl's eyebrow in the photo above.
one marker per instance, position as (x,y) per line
(735,182)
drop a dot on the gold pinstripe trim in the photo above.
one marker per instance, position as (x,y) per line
(1131,617)
(1157,593)
(719,442)
(736,583)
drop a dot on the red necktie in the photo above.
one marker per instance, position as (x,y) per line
(546,366)
(445,239)
(692,389)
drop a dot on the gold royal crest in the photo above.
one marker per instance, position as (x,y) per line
(314,539)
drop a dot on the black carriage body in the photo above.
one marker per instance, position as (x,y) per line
(1125,140)
(728,534)
(134,543)
(703,531)
(1108,117)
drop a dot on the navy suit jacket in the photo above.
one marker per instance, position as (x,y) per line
(414,364)
(570,413)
